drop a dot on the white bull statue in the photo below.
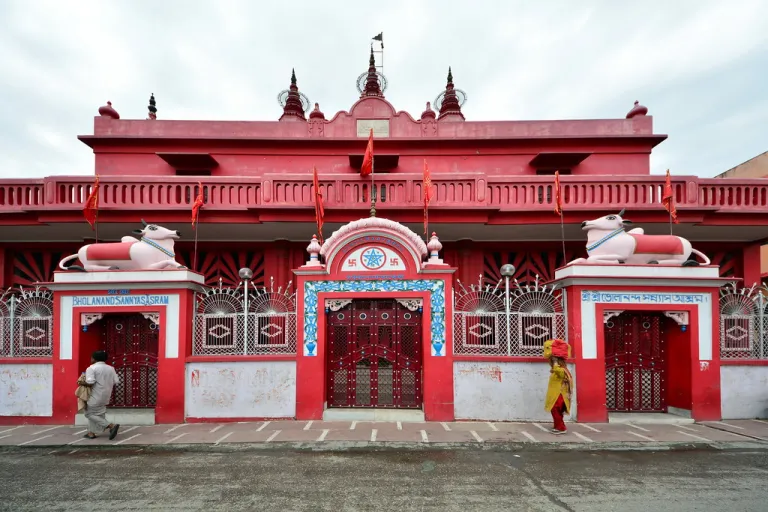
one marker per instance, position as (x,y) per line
(154,251)
(607,242)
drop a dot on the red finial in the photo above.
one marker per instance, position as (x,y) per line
(108,111)
(637,110)
(292,110)
(372,86)
(428,113)
(450,105)
(316,113)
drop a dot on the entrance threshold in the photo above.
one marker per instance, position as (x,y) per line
(123,417)
(648,418)
(372,414)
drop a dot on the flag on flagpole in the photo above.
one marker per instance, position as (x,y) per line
(668,199)
(558,195)
(367,167)
(319,208)
(428,192)
(199,202)
(91,207)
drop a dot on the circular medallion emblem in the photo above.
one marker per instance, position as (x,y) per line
(385,316)
(373,258)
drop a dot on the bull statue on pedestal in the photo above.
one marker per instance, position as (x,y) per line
(607,243)
(154,251)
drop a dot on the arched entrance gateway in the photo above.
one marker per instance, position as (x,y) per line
(373,313)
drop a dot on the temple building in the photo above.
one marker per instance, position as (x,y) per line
(389,311)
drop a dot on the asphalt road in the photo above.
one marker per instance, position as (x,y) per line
(402,480)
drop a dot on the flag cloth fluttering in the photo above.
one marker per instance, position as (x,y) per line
(319,208)
(428,192)
(668,199)
(199,202)
(367,167)
(91,208)
(558,195)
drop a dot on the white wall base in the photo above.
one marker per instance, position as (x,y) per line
(249,389)
(373,414)
(743,392)
(503,391)
(125,417)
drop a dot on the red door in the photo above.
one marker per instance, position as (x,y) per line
(131,343)
(634,363)
(374,355)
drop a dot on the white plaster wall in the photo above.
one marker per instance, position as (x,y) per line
(744,392)
(27,390)
(502,391)
(252,389)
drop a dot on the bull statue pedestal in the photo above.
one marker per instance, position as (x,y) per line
(153,251)
(608,243)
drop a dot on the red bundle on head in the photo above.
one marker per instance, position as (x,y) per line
(560,349)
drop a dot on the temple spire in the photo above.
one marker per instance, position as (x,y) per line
(293,110)
(450,107)
(372,85)
(152,107)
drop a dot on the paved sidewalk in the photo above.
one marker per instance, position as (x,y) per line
(381,433)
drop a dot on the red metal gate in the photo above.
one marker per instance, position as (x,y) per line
(131,343)
(374,355)
(635,363)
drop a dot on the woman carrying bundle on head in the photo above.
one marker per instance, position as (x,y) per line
(558,400)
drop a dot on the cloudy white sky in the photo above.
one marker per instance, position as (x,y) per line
(700,66)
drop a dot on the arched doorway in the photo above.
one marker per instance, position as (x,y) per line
(374,353)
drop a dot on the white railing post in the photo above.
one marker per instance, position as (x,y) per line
(508,313)
(761,327)
(245,317)
(12,326)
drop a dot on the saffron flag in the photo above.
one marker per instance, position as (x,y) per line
(199,202)
(427,186)
(91,208)
(558,195)
(319,208)
(668,199)
(367,167)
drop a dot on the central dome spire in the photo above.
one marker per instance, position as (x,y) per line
(372,86)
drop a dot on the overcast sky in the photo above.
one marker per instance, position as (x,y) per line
(700,66)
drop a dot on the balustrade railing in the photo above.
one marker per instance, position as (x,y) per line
(402,190)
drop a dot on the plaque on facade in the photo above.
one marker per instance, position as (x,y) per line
(380,127)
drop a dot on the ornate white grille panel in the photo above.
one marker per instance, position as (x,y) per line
(229,321)
(26,323)
(482,325)
(744,323)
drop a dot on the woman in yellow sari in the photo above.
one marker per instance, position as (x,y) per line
(558,400)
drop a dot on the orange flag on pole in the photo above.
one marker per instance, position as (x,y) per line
(199,202)
(367,167)
(668,199)
(319,208)
(91,207)
(428,192)
(558,195)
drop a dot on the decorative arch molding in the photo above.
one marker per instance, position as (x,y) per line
(372,227)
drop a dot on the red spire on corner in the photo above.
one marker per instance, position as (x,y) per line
(372,85)
(450,105)
(293,109)
(367,167)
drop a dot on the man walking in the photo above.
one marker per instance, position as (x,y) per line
(101,378)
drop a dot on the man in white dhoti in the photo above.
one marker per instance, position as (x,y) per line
(101,378)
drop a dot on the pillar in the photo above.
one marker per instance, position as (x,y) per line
(751,265)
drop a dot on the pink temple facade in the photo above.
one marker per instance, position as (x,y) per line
(381,317)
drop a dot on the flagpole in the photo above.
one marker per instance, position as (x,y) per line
(197,228)
(562,236)
(373,186)
(96,224)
